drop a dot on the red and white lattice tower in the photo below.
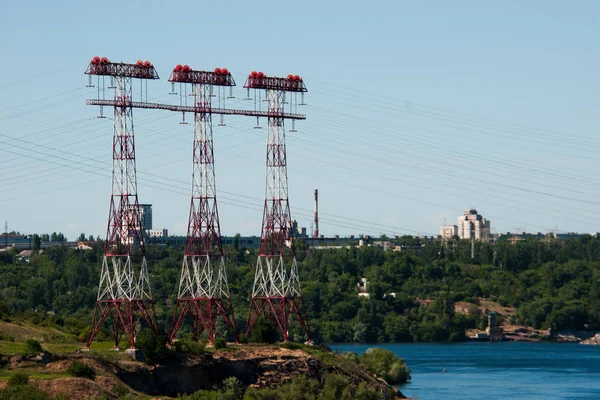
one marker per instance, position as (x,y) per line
(203,289)
(276,291)
(124,291)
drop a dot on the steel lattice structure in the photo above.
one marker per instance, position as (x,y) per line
(124,293)
(203,288)
(276,291)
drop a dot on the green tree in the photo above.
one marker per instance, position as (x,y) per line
(263,331)
(37,243)
(385,364)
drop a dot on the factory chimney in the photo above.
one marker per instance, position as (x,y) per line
(316,232)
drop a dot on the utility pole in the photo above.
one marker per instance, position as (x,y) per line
(276,291)
(120,293)
(124,291)
(203,289)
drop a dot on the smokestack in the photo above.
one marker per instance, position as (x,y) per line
(316,232)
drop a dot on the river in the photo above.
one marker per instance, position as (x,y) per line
(490,371)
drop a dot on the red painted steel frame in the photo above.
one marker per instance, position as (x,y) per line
(122,296)
(276,291)
(203,294)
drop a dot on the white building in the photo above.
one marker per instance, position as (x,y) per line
(470,225)
(157,233)
(448,231)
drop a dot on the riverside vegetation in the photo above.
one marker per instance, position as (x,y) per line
(551,283)
(235,372)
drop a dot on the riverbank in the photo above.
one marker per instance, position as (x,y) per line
(515,370)
(514,332)
(254,367)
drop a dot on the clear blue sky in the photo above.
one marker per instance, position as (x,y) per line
(416,111)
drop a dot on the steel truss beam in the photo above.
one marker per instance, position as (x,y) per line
(195,108)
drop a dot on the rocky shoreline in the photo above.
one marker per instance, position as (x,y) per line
(515,333)
(594,340)
(267,366)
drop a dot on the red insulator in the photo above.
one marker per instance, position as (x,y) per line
(290,77)
(218,71)
(147,64)
(179,68)
(225,71)
(95,60)
(186,68)
(261,74)
(139,63)
(297,78)
(104,60)
(253,74)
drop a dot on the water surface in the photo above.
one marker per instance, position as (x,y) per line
(489,371)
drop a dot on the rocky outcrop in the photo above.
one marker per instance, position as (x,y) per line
(256,367)
(595,340)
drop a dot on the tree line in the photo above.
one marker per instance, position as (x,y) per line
(551,283)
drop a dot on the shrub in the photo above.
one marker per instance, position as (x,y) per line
(23,392)
(364,393)
(186,346)
(351,356)
(220,343)
(121,391)
(7,338)
(153,347)
(80,370)
(291,346)
(385,364)
(32,346)
(84,334)
(20,378)
(335,386)
(263,331)
(234,389)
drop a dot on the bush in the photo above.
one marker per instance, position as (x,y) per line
(335,386)
(364,393)
(186,346)
(23,392)
(7,338)
(351,356)
(84,334)
(263,331)
(121,391)
(220,343)
(20,378)
(291,346)
(32,346)
(385,364)
(234,389)
(80,370)
(153,346)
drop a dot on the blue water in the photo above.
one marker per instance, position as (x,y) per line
(490,371)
